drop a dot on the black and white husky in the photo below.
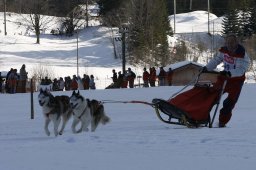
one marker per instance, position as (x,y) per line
(88,112)
(54,109)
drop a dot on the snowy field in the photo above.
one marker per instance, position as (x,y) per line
(134,139)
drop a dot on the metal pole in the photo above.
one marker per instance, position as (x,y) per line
(32,99)
(218,103)
(87,14)
(77,71)
(208,16)
(174,16)
(123,51)
(5,33)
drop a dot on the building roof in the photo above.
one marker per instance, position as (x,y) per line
(180,65)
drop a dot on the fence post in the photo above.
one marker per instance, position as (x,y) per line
(32,99)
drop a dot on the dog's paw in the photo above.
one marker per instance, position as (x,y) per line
(48,133)
(79,131)
(60,133)
(56,133)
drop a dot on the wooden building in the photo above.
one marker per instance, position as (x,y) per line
(186,71)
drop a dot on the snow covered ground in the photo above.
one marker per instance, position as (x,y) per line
(135,138)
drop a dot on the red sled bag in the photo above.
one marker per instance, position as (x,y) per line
(198,101)
(192,108)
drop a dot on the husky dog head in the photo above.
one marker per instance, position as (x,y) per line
(76,100)
(45,97)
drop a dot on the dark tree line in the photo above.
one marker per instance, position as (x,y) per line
(59,8)
(240,19)
(63,7)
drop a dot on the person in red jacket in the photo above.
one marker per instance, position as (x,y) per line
(145,78)
(236,63)
(74,84)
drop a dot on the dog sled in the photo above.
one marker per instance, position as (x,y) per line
(192,108)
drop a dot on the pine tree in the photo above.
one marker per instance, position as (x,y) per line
(246,30)
(253,17)
(149,27)
(112,12)
(231,20)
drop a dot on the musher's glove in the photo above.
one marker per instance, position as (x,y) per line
(225,73)
(204,69)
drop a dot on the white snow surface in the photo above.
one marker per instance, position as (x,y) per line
(134,139)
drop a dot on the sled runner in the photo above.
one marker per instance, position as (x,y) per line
(192,108)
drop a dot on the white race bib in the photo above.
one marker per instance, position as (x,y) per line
(229,62)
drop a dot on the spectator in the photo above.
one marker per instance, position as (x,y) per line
(55,85)
(43,82)
(80,83)
(48,81)
(131,76)
(86,81)
(114,78)
(23,78)
(169,76)
(61,84)
(120,80)
(162,76)
(92,83)
(152,77)
(145,78)
(68,83)
(74,84)
(7,86)
(125,81)
(12,81)
(1,83)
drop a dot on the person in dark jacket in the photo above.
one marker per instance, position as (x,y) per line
(145,78)
(130,76)
(114,77)
(23,78)
(152,77)
(92,83)
(1,83)
(162,77)
(169,76)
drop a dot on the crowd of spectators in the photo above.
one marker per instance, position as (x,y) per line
(14,81)
(164,78)
(68,83)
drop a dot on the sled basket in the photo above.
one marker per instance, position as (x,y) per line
(191,108)
(169,113)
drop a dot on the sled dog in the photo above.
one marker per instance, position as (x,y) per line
(54,109)
(88,112)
